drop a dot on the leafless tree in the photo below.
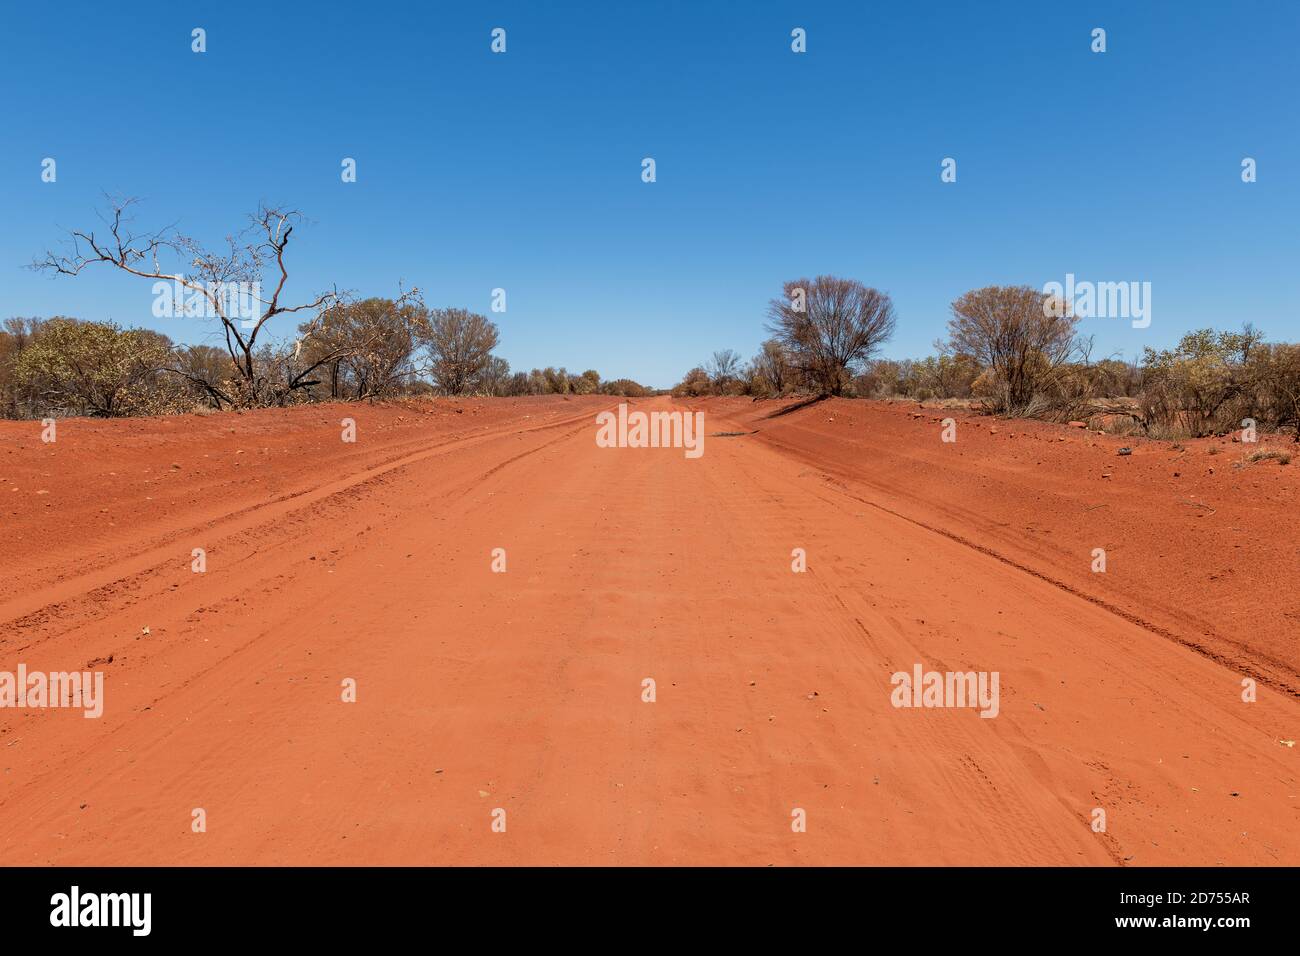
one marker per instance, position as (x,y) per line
(1016,332)
(245,258)
(723,369)
(829,326)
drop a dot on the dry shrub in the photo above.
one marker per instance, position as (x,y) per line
(1270,454)
(96,368)
(1274,376)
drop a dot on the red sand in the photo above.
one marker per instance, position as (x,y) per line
(522,691)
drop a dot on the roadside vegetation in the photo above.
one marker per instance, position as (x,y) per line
(343,349)
(1010,351)
(371,349)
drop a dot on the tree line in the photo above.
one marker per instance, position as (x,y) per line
(370,349)
(1013,351)
(344,348)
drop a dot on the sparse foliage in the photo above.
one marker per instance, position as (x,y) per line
(841,324)
(723,369)
(771,375)
(363,349)
(1011,331)
(258,250)
(459,343)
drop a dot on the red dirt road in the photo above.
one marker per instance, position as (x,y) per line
(523,690)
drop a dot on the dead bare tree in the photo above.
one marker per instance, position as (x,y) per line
(829,326)
(215,274)
(1018,332)
(723,369)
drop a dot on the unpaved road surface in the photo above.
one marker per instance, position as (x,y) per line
(522,691)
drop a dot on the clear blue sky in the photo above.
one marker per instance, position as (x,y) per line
(523,170)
